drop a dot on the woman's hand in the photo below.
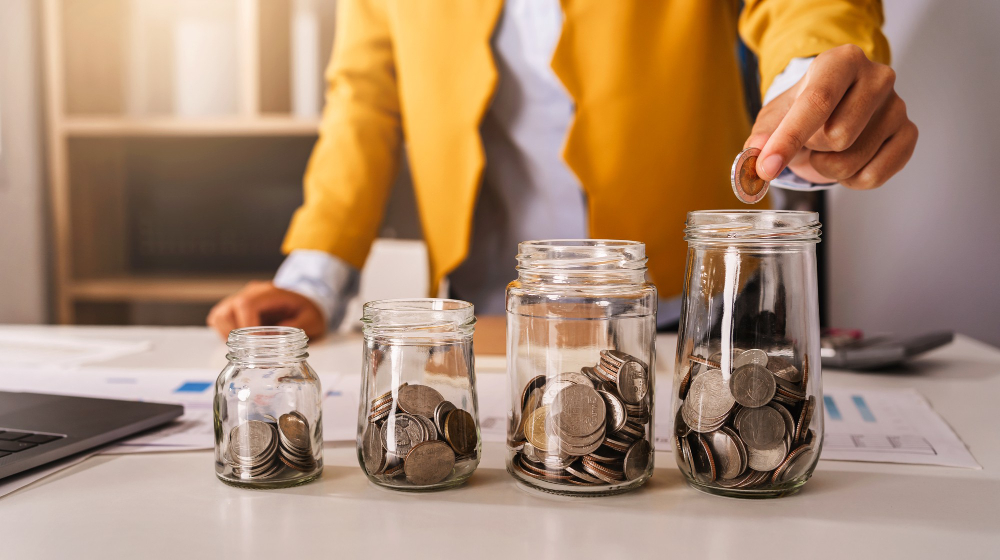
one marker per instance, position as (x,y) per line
(842,122)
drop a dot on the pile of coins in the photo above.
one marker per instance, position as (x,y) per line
(262,450)
(586,428)
(749,429)
(414,434)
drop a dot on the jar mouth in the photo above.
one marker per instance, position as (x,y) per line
(581,255)
(777,226)
(267,343)
(419,316)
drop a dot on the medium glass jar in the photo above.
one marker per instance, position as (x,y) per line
(418,426)
(268,411)
(747,391)
(581,327)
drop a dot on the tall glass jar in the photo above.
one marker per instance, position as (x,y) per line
(268,411)
(418,426)
(747,390)
(581,327)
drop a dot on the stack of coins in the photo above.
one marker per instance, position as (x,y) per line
(261,450)
(749,429)
(586,428)
(414,434)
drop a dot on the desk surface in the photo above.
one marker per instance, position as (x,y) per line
(170,504)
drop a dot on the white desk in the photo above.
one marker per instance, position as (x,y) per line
(171,505)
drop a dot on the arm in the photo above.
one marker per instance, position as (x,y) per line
(843,121)
(347,183)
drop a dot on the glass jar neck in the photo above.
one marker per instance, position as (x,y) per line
(267,346)
(418,321)
(785,228)
(582,262)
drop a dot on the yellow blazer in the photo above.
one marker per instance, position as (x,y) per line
(659,113)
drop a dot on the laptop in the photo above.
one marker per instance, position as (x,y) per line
(36,429)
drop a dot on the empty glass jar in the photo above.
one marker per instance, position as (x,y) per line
(581,327)
(418,427)
(268,411)
(747,391)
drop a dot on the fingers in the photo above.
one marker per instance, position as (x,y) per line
(221,318)
(825,84)
(889,160)
(841,165)
(856,109)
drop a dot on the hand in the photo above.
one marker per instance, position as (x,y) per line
(261,303)
(843,121)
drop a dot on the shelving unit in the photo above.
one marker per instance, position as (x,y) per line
(150,203)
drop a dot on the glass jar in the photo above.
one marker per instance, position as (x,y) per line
(418,426)
(268,411)
(581,327)
(747,391)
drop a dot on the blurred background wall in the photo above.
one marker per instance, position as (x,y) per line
(23,287)
(923,251)
(178,171)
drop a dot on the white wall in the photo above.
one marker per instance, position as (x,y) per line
(923,252)
(23,286)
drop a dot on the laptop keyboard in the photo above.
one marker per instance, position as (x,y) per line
(14,441)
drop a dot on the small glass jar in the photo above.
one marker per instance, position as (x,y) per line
(268,411)
(747,390)
(581,327)
(418,426)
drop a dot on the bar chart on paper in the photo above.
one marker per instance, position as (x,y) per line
(889,426)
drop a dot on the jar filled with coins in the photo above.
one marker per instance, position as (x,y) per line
(418,427)
(747,391)
(268,411)
(581,326)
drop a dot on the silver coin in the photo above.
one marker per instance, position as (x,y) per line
(632,382)
(617,415)
(686,462)
(577,470)
(741,447)
(578,411)
(754,356)
(789,421)
(440,413)
(637,459)
(418,399)
(783,369)
(752,385)
(294,429)
(250,440)
(428,463)
(702,460)
(709,396)
(573,376)
(762,428)
(726,453)
(431,429)
(766,459)
(401,433)
(796,465)
(552,388)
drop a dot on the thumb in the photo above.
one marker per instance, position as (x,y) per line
(767,121)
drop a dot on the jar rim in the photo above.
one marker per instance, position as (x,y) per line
(743,225)
(267,336)
(418,317)
(581,255)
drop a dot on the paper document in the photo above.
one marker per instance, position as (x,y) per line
(193,388)
(870,425)
(49,349)
(889,426)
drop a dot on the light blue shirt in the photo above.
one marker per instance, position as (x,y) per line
(528,191)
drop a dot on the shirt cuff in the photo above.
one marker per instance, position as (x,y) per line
(794,72)
(323,278)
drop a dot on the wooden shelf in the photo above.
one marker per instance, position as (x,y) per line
(110,127)
(176,289)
